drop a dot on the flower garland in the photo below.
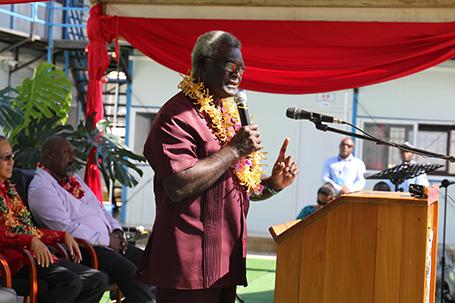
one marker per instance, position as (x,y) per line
(224,122)
(69,183)
(16,216)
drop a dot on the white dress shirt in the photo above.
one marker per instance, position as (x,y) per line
(57,209)
(344,173)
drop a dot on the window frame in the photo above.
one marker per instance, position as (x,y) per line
(416,126)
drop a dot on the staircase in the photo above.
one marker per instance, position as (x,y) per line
(114,90)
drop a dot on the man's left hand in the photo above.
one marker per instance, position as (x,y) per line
(73,248)
(284,170)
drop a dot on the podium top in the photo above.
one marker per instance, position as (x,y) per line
(362,197)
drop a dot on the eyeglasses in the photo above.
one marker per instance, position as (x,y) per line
(347,145)
(7,158)
(230,66)
(234,67)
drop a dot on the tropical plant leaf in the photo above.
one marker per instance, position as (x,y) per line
(117,161)
(10,117)
(46,95)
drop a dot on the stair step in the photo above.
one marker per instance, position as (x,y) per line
(110,105)
(113,93)
(119,116)
(70,44)
(80,69)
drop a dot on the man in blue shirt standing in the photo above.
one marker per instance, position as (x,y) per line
(345,172)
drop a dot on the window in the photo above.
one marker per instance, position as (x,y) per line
(435,138)
(438,139)
(142,127)
(378,157)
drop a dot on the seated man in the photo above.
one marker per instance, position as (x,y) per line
(60,199)
(326,193)
(381,186)
(59,280)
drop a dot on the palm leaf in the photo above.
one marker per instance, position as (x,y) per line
(10,117)
(118,162)
(46,95)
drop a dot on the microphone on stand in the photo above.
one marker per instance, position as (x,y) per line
(240,99)
(445,183)
(300,114)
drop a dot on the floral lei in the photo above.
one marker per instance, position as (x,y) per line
(69,183)
(17,217)
(224,122)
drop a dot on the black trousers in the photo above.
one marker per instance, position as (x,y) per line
(64,282)
(121,269)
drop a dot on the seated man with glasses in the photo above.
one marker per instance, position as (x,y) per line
(344,172)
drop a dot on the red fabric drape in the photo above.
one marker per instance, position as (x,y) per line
(295,57)
(290,57)
(98,61)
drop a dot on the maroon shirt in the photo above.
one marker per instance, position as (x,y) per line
(199,242)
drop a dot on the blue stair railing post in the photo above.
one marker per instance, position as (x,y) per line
(129,94)
(11,18)
(50,31)
(66,56)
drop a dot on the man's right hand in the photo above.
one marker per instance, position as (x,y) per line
(246,140)
(343,190)
(42,254)
(115,242)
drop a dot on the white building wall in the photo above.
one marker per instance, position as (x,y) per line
(427,95)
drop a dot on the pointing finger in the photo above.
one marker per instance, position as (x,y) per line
(283,149)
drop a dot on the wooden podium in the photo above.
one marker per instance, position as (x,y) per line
(365,247)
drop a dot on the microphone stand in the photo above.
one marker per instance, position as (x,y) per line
(444,184)
(318,124)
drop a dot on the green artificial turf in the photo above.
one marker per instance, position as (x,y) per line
(261,282)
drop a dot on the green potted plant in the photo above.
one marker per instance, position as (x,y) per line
(38,109)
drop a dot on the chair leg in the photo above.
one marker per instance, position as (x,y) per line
(119,296)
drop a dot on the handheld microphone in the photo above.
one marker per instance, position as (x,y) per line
(240,99)
(300,114)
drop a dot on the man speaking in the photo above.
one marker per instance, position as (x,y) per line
(207,168)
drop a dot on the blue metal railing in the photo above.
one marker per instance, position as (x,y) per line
(68,20)
(34,16)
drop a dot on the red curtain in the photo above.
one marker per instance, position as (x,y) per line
(297,57)
(98,61)
(287,57)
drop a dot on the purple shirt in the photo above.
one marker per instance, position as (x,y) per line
(57,209)
(199,242)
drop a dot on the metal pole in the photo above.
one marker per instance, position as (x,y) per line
(50,32)
(444,183)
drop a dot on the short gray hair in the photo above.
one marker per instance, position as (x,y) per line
(208,44)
